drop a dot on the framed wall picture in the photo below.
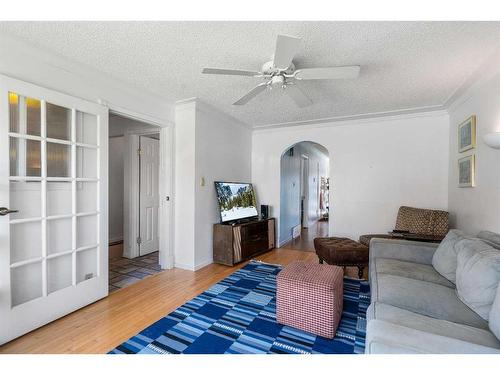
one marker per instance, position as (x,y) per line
(467,134)
(466,171)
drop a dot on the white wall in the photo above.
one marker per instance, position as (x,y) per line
(376,165)
(211,146)
(477,208)
(115,183)
(184,185)
(290,186)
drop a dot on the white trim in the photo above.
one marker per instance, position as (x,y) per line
(213,111)
(358,119)
(130,196)
(203,264)
(196,267)
(115,239)
(484,73)
(166,210)
(285,241)
(26,262)
(138,116)
(183,266)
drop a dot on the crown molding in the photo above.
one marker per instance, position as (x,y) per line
(489,68)
(209,109)
(437,110)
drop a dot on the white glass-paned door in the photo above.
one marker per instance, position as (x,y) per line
(53,178)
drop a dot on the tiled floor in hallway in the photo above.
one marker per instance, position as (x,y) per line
(124,272)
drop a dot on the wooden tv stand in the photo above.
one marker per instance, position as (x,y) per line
(239,242)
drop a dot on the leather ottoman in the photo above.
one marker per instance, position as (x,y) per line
(341,251)
(309,297)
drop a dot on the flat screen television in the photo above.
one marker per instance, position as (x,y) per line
(236,201)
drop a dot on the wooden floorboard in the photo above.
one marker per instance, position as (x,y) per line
(100,327)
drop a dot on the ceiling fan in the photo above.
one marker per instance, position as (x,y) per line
(281,72)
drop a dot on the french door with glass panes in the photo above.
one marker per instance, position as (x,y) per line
(53,205)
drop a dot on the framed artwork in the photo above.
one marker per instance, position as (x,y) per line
(467,134)
(466,171)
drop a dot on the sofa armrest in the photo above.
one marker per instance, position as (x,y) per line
(410,251)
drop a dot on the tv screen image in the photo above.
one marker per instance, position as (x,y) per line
(236,200)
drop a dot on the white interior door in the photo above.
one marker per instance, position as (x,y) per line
(53,173)
(149,198)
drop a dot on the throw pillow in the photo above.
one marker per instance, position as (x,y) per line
(444,260)
(478,275)
(491,238)
(495,316)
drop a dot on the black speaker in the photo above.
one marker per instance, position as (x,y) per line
(264,211)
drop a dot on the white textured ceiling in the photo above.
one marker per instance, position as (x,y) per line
(403,64)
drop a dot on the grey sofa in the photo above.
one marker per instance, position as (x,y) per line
(416,310)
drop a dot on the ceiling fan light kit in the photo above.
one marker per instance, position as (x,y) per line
(281,73)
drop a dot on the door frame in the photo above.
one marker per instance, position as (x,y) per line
(131,186)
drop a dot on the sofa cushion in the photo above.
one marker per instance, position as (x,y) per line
(478,275)
(423,297)
(435,326)
(411,270)
(492,238)
(445,257)
(387,338)
(494,318)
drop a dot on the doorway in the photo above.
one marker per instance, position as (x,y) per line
(304,195)
(304,191)
(134,201)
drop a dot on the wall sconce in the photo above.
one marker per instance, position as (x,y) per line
(492,140)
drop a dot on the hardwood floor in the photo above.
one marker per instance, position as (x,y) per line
(100,327)
(105,324)
(306,240)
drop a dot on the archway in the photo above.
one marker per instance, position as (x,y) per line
(304,195)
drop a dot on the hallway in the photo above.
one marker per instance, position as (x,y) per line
(305,243)
(306,240)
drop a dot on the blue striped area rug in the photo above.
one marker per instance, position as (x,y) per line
(238,315)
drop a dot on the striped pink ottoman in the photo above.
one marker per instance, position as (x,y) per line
(309,297)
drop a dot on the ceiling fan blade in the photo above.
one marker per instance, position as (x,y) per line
(286,48)
(231,72)
(337,72)
(251,94)
(298,96)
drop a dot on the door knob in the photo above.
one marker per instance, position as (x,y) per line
(5,211)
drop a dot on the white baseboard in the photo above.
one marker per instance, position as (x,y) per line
(282,242)
(115,239)
(203,264)
(182,266)
(195,267)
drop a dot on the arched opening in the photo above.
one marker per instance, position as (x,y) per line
(304,195)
